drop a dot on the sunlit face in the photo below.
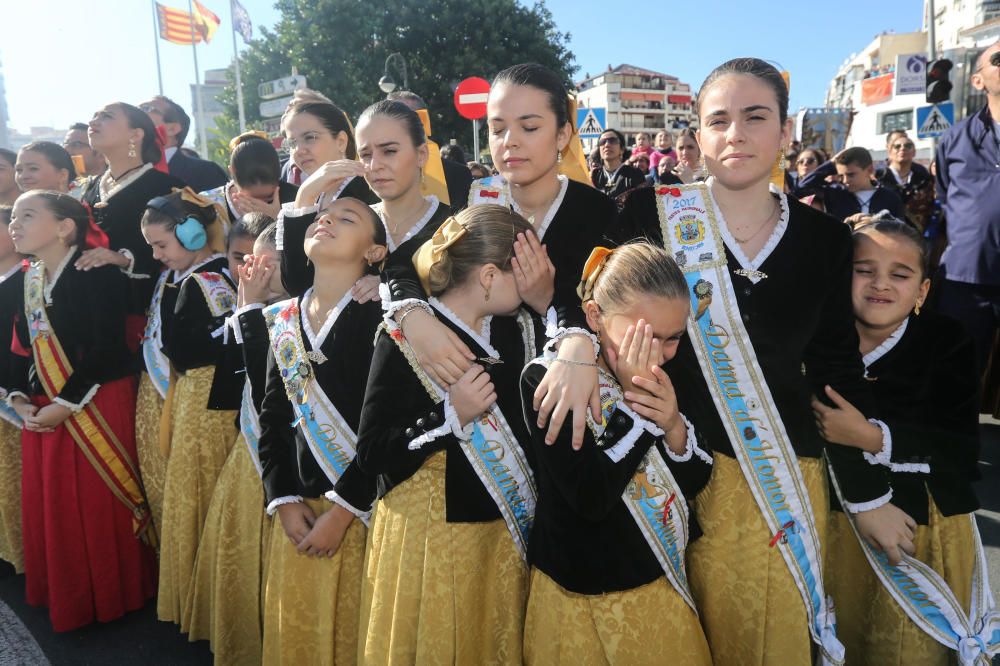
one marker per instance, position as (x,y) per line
(33,171)
(688,151)
(665,164)
(167,249)
(310,143)
(667,316)
(524,138)
(902,149)
(109,130)
(33,227)
(344,232)
(806,163)
(741,130)
(7,181)
(664,141)
(641,140)
(77,143)
(158,111)
(392,163)
(642,163)
(273,262)
(854,178)
(610,146)
(239,247)
(888,279)
(986,77)
(7,249)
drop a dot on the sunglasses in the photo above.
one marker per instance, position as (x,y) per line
(149,108)
(902,146)
(608,141)
(806,161)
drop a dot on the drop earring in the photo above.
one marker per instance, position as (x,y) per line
(487,299)
(131,148)
(559,157)
(916,309)
(782,163)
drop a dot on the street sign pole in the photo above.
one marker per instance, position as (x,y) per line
(475,139)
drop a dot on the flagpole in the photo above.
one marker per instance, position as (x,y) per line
(197,89)
(156,43)
(239,81)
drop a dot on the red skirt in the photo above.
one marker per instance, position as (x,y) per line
(81,559)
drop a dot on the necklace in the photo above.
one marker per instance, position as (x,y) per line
(114,179)
(759,228)
(394,229)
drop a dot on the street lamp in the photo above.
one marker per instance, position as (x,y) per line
(387,84)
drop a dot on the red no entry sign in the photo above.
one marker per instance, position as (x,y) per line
(470,97)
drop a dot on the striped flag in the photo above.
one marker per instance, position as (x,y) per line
(241,22)
(176,26)
(205,21)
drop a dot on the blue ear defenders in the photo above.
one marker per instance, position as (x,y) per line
(188,229)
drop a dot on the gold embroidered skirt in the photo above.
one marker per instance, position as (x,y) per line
(11,547)
(224,602)
(152,464)
(439,592)
(750,606)
(870,623)
(199,445)
(312,604)
(650,624)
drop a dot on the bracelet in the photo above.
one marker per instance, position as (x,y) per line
(407,312)
(567,361)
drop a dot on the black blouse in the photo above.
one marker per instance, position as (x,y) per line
(801,323)
(11,308)
(120,218)
(296,271)
(87,315)
(398,409)
(584,537)
(289,468)
(926,391)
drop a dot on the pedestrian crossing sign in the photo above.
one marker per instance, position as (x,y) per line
(590,123)
(934,120)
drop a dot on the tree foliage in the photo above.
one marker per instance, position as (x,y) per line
(340,46)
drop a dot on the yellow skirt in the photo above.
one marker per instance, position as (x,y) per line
(750,606)
(439,592)
(224,602)
(870,623)
(645,625)
(199,444)
(152,464)
(11,546)
(312,604)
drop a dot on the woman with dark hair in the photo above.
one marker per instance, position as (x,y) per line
(87,526)
(43,165)
(127,139)
(11,306)
(255,184)
(532,143)
(9,191)
(321,143)
(690,166)
(762,340)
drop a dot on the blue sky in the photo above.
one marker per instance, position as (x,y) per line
(63,59)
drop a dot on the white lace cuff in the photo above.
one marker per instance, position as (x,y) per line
(9,398)
(885,453)
(363,516)
(83,403)
(281,501)
(390,308)
(233,322)
(627,443)
(691,448)
(868,506)
(451,426)
(127,270)
(288,210)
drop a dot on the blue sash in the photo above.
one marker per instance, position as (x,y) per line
(250,427)
(331,440)
(157,363)
(691,233)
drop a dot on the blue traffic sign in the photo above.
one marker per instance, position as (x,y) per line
(934,120)
(591,122)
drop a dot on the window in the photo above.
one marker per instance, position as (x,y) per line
(896,120)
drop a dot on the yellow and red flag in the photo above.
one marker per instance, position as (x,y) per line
(176,26)
(205,22)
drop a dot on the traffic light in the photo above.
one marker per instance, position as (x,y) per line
(938,85)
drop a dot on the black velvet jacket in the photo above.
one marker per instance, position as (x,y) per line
(120,218)
(398,409)
(801,323)
(87,315)
(11,308)
(584,537)
(289,467)
(926,391)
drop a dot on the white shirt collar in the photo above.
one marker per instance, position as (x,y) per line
(415,229)
(168,153)
(886,345)
(551,212)
(753,267)
(50,284)
(16,268)
(316,340)
(179,277)
(482,338)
